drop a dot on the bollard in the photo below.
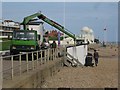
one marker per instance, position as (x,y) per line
(20,63)
(48,55)
(45,56)
(27,61)
(32,61)
(56,52)
(37,58)
(41,57)
(12,67)
(53,53)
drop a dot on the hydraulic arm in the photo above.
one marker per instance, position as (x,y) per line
(47,20)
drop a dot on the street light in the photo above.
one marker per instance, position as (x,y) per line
(104,42)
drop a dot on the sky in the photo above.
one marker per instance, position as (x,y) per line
(73,15)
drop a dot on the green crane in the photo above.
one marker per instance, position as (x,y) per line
(28,40)
(47,20)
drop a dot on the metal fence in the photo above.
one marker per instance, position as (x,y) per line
(16,65)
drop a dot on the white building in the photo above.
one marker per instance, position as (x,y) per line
(68,41)
(87,34)
(7,27)
(11,23)
(37,26)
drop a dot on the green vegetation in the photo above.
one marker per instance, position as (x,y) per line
(4,39)
(55,38)
(5,45)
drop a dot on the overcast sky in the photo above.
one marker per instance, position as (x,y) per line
(73,15)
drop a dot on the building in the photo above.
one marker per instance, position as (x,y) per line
(11,23)
(7,27)
(53,33)
(37,26)
(87,34)
(6,30)
(68,41)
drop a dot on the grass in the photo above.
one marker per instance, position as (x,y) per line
(5,45)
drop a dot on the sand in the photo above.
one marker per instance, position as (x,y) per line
(105,75)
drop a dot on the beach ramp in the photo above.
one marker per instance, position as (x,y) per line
(76,55)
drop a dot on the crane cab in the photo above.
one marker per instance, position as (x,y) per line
(24,41)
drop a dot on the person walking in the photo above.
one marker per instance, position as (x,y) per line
(96,56)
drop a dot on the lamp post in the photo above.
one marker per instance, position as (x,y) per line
(105,41)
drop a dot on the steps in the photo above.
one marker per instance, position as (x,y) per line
(71,61)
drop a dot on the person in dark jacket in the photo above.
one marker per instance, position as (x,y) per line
(54,45)
(96,56)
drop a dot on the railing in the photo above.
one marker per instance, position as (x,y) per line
(16,65)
